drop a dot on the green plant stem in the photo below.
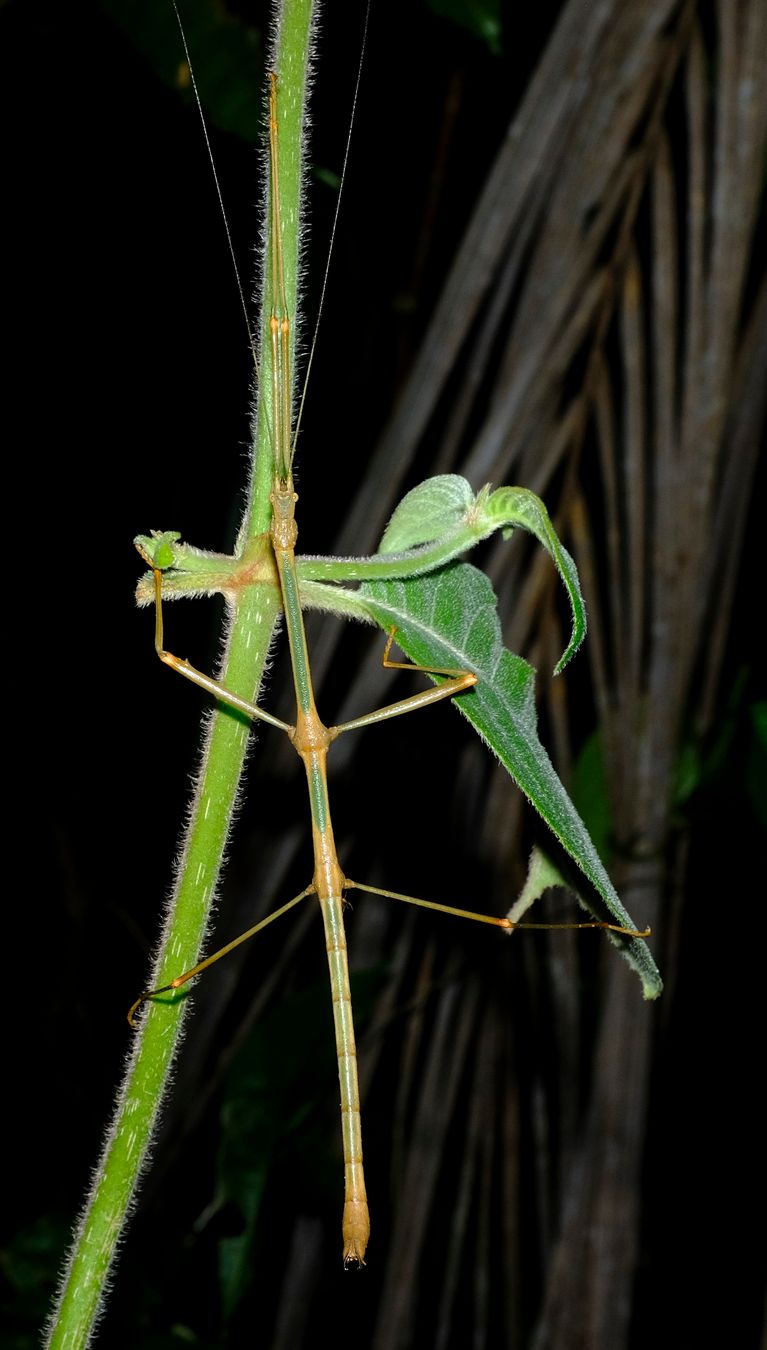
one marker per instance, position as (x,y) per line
(253,612)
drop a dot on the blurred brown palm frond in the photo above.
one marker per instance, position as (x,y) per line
(602,339)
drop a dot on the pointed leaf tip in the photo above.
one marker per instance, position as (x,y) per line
(510,507)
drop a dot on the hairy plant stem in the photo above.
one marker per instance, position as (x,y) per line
(252,614)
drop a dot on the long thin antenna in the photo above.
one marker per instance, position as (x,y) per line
(335,225)
(224,217)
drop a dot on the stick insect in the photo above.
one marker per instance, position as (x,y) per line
(262,576)
(310,737)
(417,563)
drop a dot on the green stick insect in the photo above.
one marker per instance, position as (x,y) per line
(312,739)
(444,615)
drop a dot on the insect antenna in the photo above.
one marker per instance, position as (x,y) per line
(222,207)
(333,229)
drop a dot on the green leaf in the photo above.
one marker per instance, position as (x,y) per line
(481,17)
(542,875)
(450,619)
(514,506)
(429,511)
(591,795)
(756,772)
(227,53)
(440,520)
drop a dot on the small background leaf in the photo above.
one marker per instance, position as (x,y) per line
(228,56)
(481,17)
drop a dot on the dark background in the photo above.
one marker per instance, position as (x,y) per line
(128,370)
